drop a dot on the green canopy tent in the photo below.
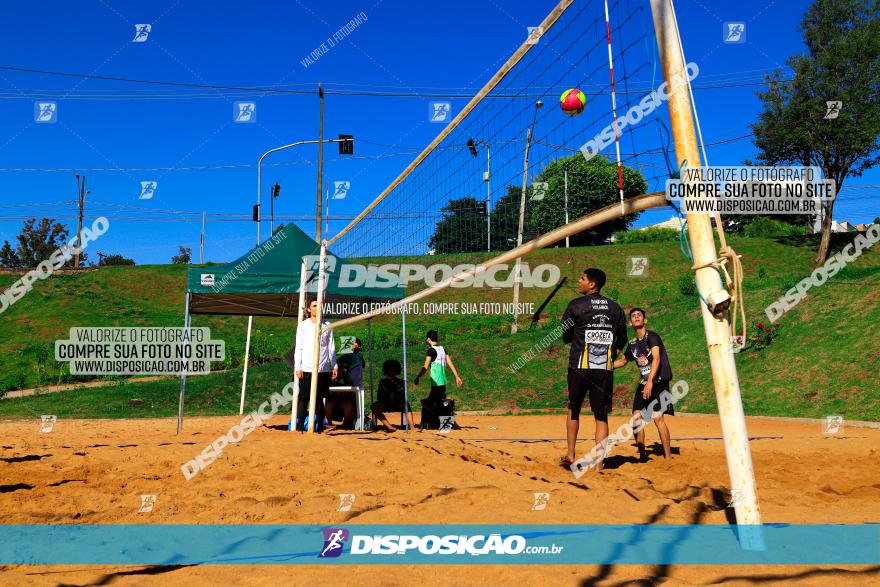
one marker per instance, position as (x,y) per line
(271,280)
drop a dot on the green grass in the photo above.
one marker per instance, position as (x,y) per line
(822,362)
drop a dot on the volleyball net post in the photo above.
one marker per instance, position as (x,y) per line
(716,326)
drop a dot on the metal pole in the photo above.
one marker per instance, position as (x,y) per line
(566,204)
(488,199)
(183,372)
(370,345)
(259,221)
(299,319)
(320,163)
(405,386)
(522,218)
(313,392)
(724,376)
(81,184)
(271,213)
(202,242)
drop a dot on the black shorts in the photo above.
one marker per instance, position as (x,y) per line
(305,386)
(438,392)
(639,403)
(597,384)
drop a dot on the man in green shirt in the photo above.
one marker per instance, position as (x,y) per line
(436,360)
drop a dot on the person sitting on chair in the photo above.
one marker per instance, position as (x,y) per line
(391,397)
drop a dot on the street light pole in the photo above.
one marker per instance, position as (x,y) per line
(488,198)
(522,217)
(247,344)
(566,204)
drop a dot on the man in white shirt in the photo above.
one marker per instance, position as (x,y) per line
(304,359)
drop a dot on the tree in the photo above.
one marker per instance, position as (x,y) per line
(36,243)
(462,228)
(278,229)
(592,185)
(842,63)
(184,257)
(505,219)
(110,260)
(8,258)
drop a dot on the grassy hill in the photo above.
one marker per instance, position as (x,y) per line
(823,362)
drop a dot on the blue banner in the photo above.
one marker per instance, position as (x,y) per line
(161,544)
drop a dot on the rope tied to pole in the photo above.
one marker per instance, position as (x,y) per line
(730,259)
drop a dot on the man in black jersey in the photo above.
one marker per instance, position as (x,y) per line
(597,334)
(649,355)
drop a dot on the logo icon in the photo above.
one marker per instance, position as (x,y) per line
(736,498)
(734,32)
(340,190)
(148,189)
(439,111)
(535,33)
(313,266)
(207,279)
(446,424)
(47,423)
(46,112)
(737,343)
(539,190)
(334,541)
(345,347)
(244,112)
(346,500)
(637,266)
(147,503)
(832,109)
(541,501)
(141,32)
(833,424)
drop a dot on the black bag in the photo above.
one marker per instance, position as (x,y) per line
(433,409)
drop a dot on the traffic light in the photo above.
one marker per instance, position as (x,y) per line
(481,208)
(256,212)
(276,190)
(346,144)
(472,147)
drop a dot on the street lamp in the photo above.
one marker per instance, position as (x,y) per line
(258,217)
(472,147)
(522,216)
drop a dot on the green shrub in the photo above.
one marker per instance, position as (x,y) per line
(768,227)
(687,285)
(13,381)
(648,235)
(763,335)
(789,282)
(662,289)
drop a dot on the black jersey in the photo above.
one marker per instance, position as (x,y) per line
(596,328)
(639,351)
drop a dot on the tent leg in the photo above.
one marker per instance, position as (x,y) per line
(183,371)
(370,351)
(294,409)
(247,352)
(405,387)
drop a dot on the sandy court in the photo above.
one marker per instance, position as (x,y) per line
(91,471)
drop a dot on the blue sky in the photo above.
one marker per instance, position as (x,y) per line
(405,46)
